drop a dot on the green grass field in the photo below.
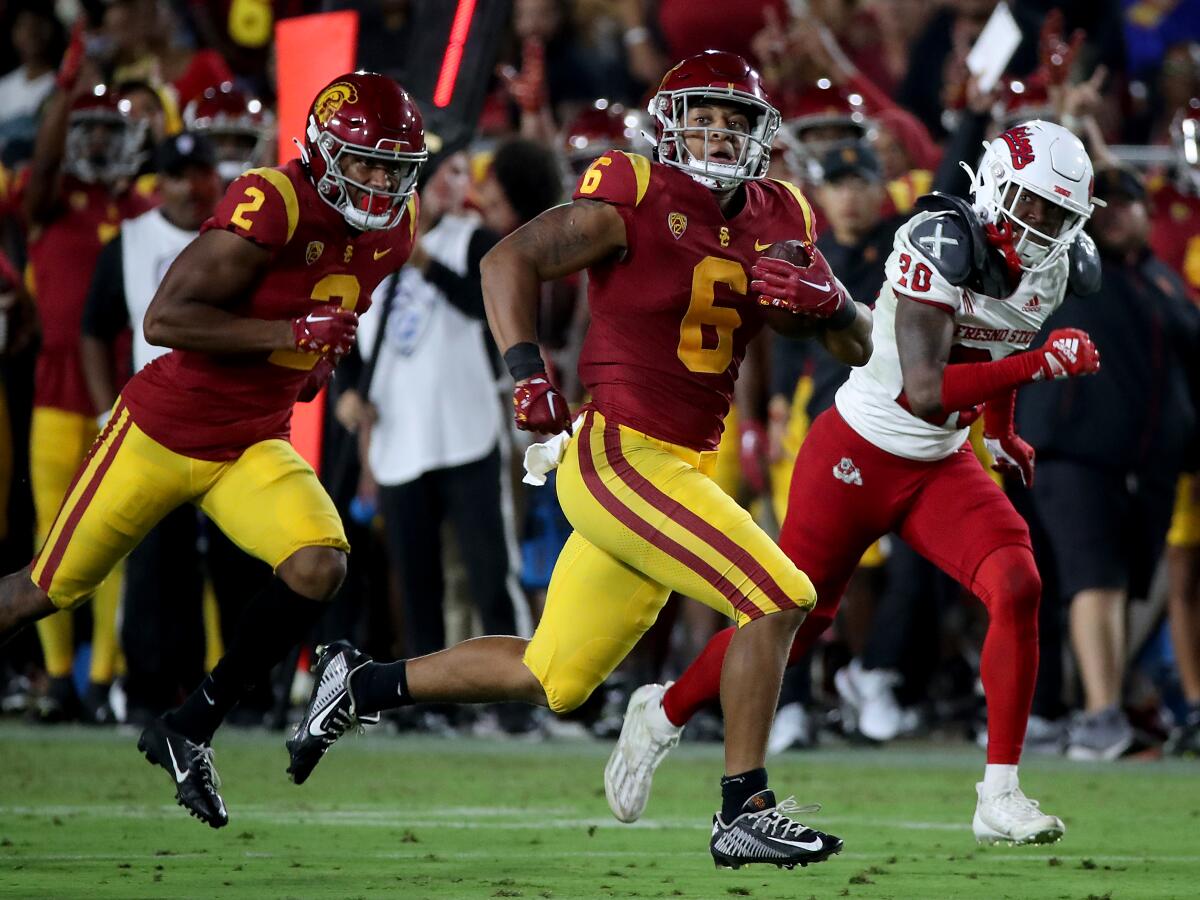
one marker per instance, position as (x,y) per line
(83,815)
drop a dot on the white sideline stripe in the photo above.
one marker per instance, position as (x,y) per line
(1014,855)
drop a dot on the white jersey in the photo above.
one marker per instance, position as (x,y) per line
(993,328)
(149,244)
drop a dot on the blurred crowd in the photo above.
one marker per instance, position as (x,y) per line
(120,121)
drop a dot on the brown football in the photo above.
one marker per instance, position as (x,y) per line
(795,252)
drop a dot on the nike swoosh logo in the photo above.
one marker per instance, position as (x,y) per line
(813,284)
(317,726)
(180,774)
(761,247)
(380,254)
(803,845)
(208,699)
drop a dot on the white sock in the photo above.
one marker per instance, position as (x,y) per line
(656,718)
(999,778)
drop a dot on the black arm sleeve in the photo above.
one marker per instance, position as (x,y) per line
(105,313)
(964,145)
(464,291)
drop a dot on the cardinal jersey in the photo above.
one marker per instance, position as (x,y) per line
(985,328)
(672,317)
(62,255)
(213,407)
(1175,231)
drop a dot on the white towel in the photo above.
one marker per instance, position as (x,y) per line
(542,459)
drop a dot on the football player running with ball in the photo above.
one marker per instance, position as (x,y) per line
(258,309)
(677,286)
(968,287)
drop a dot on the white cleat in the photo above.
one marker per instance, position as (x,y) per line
(870,693)
(1011,817)
(646,738)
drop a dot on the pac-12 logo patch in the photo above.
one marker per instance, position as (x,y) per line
(313,251)
(1020,145)
(677,222)
(332,99)
(847,471)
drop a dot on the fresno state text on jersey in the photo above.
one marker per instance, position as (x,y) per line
(671,317)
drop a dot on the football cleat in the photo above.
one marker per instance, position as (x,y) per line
(330,710)
(1011,817)
(767,833)
(190,766)
(647,736)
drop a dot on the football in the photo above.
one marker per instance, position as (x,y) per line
(781,320)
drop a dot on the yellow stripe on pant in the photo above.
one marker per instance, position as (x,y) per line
(648,520)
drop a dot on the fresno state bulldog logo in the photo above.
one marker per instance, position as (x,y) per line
(332,99)
(1020,145)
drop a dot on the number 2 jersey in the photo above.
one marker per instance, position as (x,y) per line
(670,319)
(213,406)
(985,328)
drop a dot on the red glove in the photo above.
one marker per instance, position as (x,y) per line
(329,329)
(538,406)
(1012,455)
(72,60)
(318,377)
(1067,353)
(809,290)
(754,445)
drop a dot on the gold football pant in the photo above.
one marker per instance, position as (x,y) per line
(268,501)
(648,520)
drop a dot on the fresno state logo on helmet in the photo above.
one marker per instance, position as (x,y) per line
(1020,145)
(332,99)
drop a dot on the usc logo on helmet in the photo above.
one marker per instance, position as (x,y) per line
(1020,145)
(332,99)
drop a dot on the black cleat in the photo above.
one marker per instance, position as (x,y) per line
(1185,739)
(190,766)
(330,710)
(766,833)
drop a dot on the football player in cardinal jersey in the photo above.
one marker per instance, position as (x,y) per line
(678,285)
(258,309)
(968,287)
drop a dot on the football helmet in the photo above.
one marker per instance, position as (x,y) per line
(1040,158)
(820,118)
(104,144)
(714,76)
(239,126)
(369,116)
(599,127)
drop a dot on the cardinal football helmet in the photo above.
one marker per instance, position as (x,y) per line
(104,144)
(1041,158)
(240,127)
(714,77)
(370,116)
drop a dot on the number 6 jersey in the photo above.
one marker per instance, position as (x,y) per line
(214,406)
(985,328)
(671,317)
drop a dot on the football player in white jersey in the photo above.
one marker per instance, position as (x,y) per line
(968,287)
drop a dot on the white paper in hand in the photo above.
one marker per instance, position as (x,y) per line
(995,47)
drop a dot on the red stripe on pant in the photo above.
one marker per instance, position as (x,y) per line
(64,537)
(649,533)
(685,517)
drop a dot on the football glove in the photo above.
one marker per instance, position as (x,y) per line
(329,329)
(810,290)
(1012,455)
(317,378)
(539,407)
(1067,353)
(754,454)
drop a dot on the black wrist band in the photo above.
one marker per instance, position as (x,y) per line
(524,359)
(843,318)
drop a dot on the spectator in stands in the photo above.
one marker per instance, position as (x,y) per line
(1110,450)
(39,39)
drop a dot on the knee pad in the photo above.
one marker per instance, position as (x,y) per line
(566,691)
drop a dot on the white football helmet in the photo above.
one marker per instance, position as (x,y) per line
(1044,159)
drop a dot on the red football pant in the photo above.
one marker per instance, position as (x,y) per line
(845,494)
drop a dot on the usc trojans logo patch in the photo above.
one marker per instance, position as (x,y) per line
(677,222)
(332,99)
(313,252)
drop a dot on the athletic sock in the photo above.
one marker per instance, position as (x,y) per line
(737,789)
(999,778)
(273,622)
(379,686)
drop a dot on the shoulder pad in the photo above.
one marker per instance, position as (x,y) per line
(1083,272)
(947,245)
(988,273)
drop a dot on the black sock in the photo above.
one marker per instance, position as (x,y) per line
(380,686)
(737,789)
(271,624)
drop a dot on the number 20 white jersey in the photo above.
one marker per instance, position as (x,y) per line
(984,328)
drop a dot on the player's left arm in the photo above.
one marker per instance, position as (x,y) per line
(851,345)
